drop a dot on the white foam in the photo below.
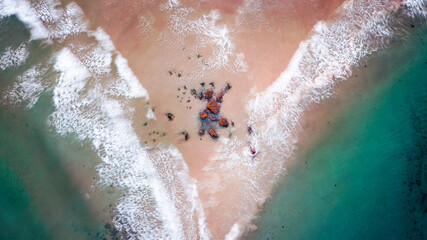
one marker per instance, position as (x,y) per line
(150,114)
(234,232)
(207,32)
(130,85)
(28,87)
(334,49)
(13,57)
(22,9)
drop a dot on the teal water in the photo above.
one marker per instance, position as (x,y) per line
(40,198)
(366,177)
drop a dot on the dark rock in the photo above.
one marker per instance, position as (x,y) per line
(202,84)
(253,151)
(227,87)
(179,74)
(201,131)
(214,106)
(170,116)
(212,84)
(213,118)
(250,131)
(201,96)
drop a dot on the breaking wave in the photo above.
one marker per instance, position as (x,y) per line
(91,100)
(334,49)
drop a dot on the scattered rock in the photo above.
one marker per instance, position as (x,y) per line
(250,131)
(227,87)
(223,122)
(201,132)
(201,96)
(145,124)
(214,106)
(202,84)
(212,133)
(203,115)
(253,151)
(208,94)
(232,123)
(186,135)
(179,75)
(212,84)
(170,116)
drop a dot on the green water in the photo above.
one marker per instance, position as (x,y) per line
(366,177)
(39,197)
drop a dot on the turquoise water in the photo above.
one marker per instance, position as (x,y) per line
(39,197)
(366,177)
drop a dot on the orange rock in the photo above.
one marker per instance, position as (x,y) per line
(212,118)
(203,115)
(219,96)
(213,134)
(223,122)
(208,94)
(214,106)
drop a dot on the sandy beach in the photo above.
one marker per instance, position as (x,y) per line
(249,45)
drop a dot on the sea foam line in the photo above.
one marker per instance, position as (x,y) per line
(334,49)
(91,102)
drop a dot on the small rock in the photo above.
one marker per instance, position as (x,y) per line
(250,131)
(208,94)
(201,132)
(223,122)
(212,118)
(219,96)
(170,116)
(227,87)
(252,150)
(203,115)
(212,133)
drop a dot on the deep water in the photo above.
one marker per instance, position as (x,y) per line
(366,176)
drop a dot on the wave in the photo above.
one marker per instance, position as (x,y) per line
(13,57)
(334,49)
(91,100)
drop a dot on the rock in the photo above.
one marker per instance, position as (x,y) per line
(186,135)
(219,96)
(170,116)
(214,106)
(213,118)
(201,96)
(228,87)
(203,115)
(212,133)
(250,131)
(253,151)
(209,94)
(201,131)
(223,122)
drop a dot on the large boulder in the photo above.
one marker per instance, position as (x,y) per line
(214,106)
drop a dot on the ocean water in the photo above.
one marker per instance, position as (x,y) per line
(366,177)
(74,166)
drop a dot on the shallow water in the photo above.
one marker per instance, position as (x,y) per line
(365,177)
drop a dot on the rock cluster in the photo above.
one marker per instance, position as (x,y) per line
(210,117)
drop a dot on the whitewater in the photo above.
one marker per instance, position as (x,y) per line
(94,92)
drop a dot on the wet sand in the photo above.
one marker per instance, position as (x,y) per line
(167,61)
